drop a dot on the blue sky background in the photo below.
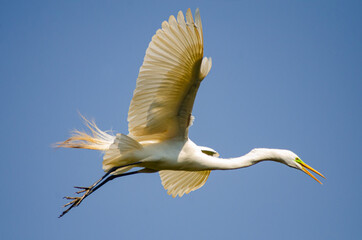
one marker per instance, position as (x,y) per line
(286,74)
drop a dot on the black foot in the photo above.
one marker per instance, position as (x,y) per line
(75,201)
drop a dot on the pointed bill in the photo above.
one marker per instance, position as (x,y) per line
(304,166)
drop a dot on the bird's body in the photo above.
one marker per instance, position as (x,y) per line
(160,116)
(173,154)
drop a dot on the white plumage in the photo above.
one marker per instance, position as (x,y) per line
(160,115)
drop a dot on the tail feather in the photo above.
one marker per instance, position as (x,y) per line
(115,147)
(96,140)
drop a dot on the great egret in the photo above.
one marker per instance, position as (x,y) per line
(159,118)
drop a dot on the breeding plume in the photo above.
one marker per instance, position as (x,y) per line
(159,118)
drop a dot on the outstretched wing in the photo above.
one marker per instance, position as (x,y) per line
(168,80)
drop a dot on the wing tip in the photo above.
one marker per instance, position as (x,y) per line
(189,18)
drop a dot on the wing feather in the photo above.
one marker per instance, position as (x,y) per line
(168,80)
(178,183)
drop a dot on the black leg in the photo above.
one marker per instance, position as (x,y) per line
(110,178)
(75,201)
(93,185)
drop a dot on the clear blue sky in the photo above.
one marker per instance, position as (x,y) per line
(286,74)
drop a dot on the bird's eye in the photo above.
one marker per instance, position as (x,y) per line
(298,160)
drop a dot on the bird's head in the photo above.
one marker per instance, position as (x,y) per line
(292,160)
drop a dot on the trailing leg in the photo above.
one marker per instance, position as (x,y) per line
(75,201)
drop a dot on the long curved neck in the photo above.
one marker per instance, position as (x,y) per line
(254,156)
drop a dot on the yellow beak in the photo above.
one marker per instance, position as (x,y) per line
(304,166)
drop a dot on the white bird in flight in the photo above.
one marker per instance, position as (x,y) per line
(159,118)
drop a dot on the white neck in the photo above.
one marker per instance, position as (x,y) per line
(254,156)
